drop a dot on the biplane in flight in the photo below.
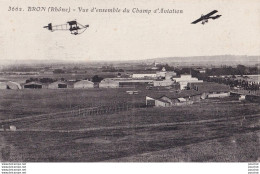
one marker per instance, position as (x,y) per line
(73,26)
(205,18)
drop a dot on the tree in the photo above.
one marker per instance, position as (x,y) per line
(58,71)
(96,78)
(241,69)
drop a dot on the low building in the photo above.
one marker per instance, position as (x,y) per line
(108,83)
(211,90)
(32,85)
(57,85)
(144,76)
(134,82)
(163,83)
(84,84)
(173,99)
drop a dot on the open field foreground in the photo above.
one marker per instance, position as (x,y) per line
(214,130)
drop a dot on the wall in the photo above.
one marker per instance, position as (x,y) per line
(159,103)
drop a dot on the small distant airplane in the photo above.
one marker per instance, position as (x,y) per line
(205,18)
(73,26)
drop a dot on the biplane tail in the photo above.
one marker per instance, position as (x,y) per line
(49,27)
(215,17)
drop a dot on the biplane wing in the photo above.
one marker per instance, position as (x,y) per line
(207,16)
(198,20)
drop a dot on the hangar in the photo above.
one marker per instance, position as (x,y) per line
(32,85)
(58,85)
(84,84)
(108,83)
(13,85)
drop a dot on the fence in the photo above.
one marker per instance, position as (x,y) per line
(100,110)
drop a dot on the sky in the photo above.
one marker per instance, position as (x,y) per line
(132,36)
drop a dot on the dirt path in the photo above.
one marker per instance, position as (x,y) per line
(142,126)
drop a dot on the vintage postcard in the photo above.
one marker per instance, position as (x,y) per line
(130,81)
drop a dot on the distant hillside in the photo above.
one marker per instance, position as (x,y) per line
(213,60)
(179,61)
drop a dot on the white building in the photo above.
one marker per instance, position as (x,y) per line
(84,84)
(185,79)
(108,83)
(13,85)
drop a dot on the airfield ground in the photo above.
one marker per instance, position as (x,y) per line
(213,130)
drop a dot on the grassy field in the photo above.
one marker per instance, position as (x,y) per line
(140,134)
(22,103)
(241,141)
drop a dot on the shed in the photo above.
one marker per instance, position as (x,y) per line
(57,85)
(84,84)
(108,83)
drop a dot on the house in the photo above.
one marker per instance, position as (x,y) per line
(84,84)
(32,85)
(13,85)
(57,85)
(108,83)
(168,99)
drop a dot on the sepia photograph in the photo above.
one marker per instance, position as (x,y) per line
(136,81)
